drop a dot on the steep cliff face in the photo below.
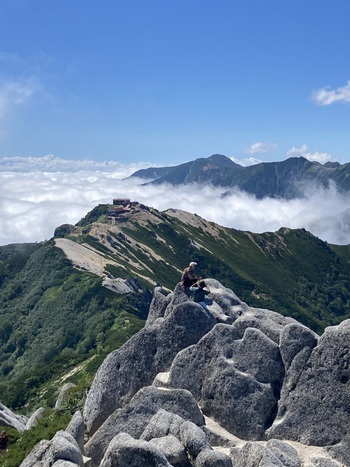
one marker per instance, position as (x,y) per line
(232,385)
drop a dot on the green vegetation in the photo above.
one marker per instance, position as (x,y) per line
(63,230)
(20,444)
(290,271)
(54,317)
(96,215)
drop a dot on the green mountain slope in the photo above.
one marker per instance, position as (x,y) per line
(53,317)
(289,271)
(63,301)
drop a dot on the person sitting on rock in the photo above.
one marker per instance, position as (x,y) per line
(188,278)
(199,291)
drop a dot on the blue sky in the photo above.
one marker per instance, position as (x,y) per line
(168,81)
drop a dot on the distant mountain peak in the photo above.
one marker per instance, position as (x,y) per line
(201,170)
(287,179)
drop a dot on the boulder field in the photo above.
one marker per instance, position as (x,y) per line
(228,386)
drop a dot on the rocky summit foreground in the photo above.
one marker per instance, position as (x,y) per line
(235,386)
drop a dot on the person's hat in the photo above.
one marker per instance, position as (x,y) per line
(192,263)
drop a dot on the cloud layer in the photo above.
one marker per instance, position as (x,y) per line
(39,194)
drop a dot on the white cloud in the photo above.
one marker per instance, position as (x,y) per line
(14,93)
(34,202)
(321,157)
(327,96)
(246,162)
(260,147)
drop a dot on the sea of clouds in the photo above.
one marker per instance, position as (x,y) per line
(40,194)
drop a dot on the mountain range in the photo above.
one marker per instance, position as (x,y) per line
(68,302)
(287,179)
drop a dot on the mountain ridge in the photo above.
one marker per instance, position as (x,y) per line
(287,179)
(145,240)
(198,170)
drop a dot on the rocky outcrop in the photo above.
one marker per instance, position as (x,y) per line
(8,418)
(235,386)
(63,394)
(314,409)
(235,378)
(137,363)
(33,419)
(62,448)
(134,417)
